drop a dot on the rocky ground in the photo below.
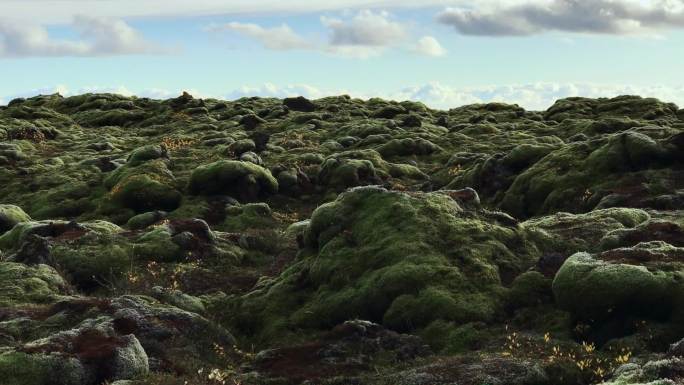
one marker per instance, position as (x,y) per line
(340,241)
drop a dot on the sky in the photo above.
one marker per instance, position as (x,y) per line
(444,53)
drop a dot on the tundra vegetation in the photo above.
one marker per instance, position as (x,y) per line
(340,241)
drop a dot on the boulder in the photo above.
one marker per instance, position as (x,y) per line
(299,103)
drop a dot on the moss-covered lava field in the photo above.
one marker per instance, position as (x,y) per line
(340,242)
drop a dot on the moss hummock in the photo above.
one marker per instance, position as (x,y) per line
(404,260)
(242,180)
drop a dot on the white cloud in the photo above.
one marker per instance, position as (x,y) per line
(367,28)
(276,38)
(363,35)
(62,11)
(270,90)
(537,96)
(576,16)
(429,46)
(98,37)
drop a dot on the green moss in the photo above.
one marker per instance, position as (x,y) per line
(93,261)
(249,216)
(191,207)
(409,312)
(451,338)
(22,285)
(575,177)
(243,180)
(23,369)
(157,245)
(405,147)
(529,289)
(10,215)
(567,233)
(593,289)
(15,237)
(69,199)
(145,187)
(17,368)
(241,146)
(146,153)
(144,220)
(404,260)
(102,227)
(179,299)
(116,117)
(348,173)
(364,167)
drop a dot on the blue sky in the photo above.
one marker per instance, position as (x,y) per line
(444,53)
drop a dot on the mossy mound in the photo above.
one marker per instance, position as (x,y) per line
(10,215)
(629,106)
(643,280)
(22,285)
(365,167)
(18,368)
(241,180)
(567,233)
(405,147)
(143,184)
(613,171)
(401,259)
(92,261)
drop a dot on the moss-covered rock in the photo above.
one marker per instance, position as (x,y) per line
(10,215)
(142,193)
(242,180)
(93,261)
(530,289)
(23,285)
(404,260)
(18,368)
(577,176)
(643,280)
(147,153)
(567,233)
(629,106)
(157,245)
(142,187)
(249,216)
(362,168)
(405,147)
(144,220)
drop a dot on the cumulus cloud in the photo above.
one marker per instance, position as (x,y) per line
(367,28)
(575,16)
(363,35)
(270,90)
(535,96)
(98,37)
(429,46)
(366,34)
(276,38)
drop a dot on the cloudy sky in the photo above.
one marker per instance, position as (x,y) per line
(445,53)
